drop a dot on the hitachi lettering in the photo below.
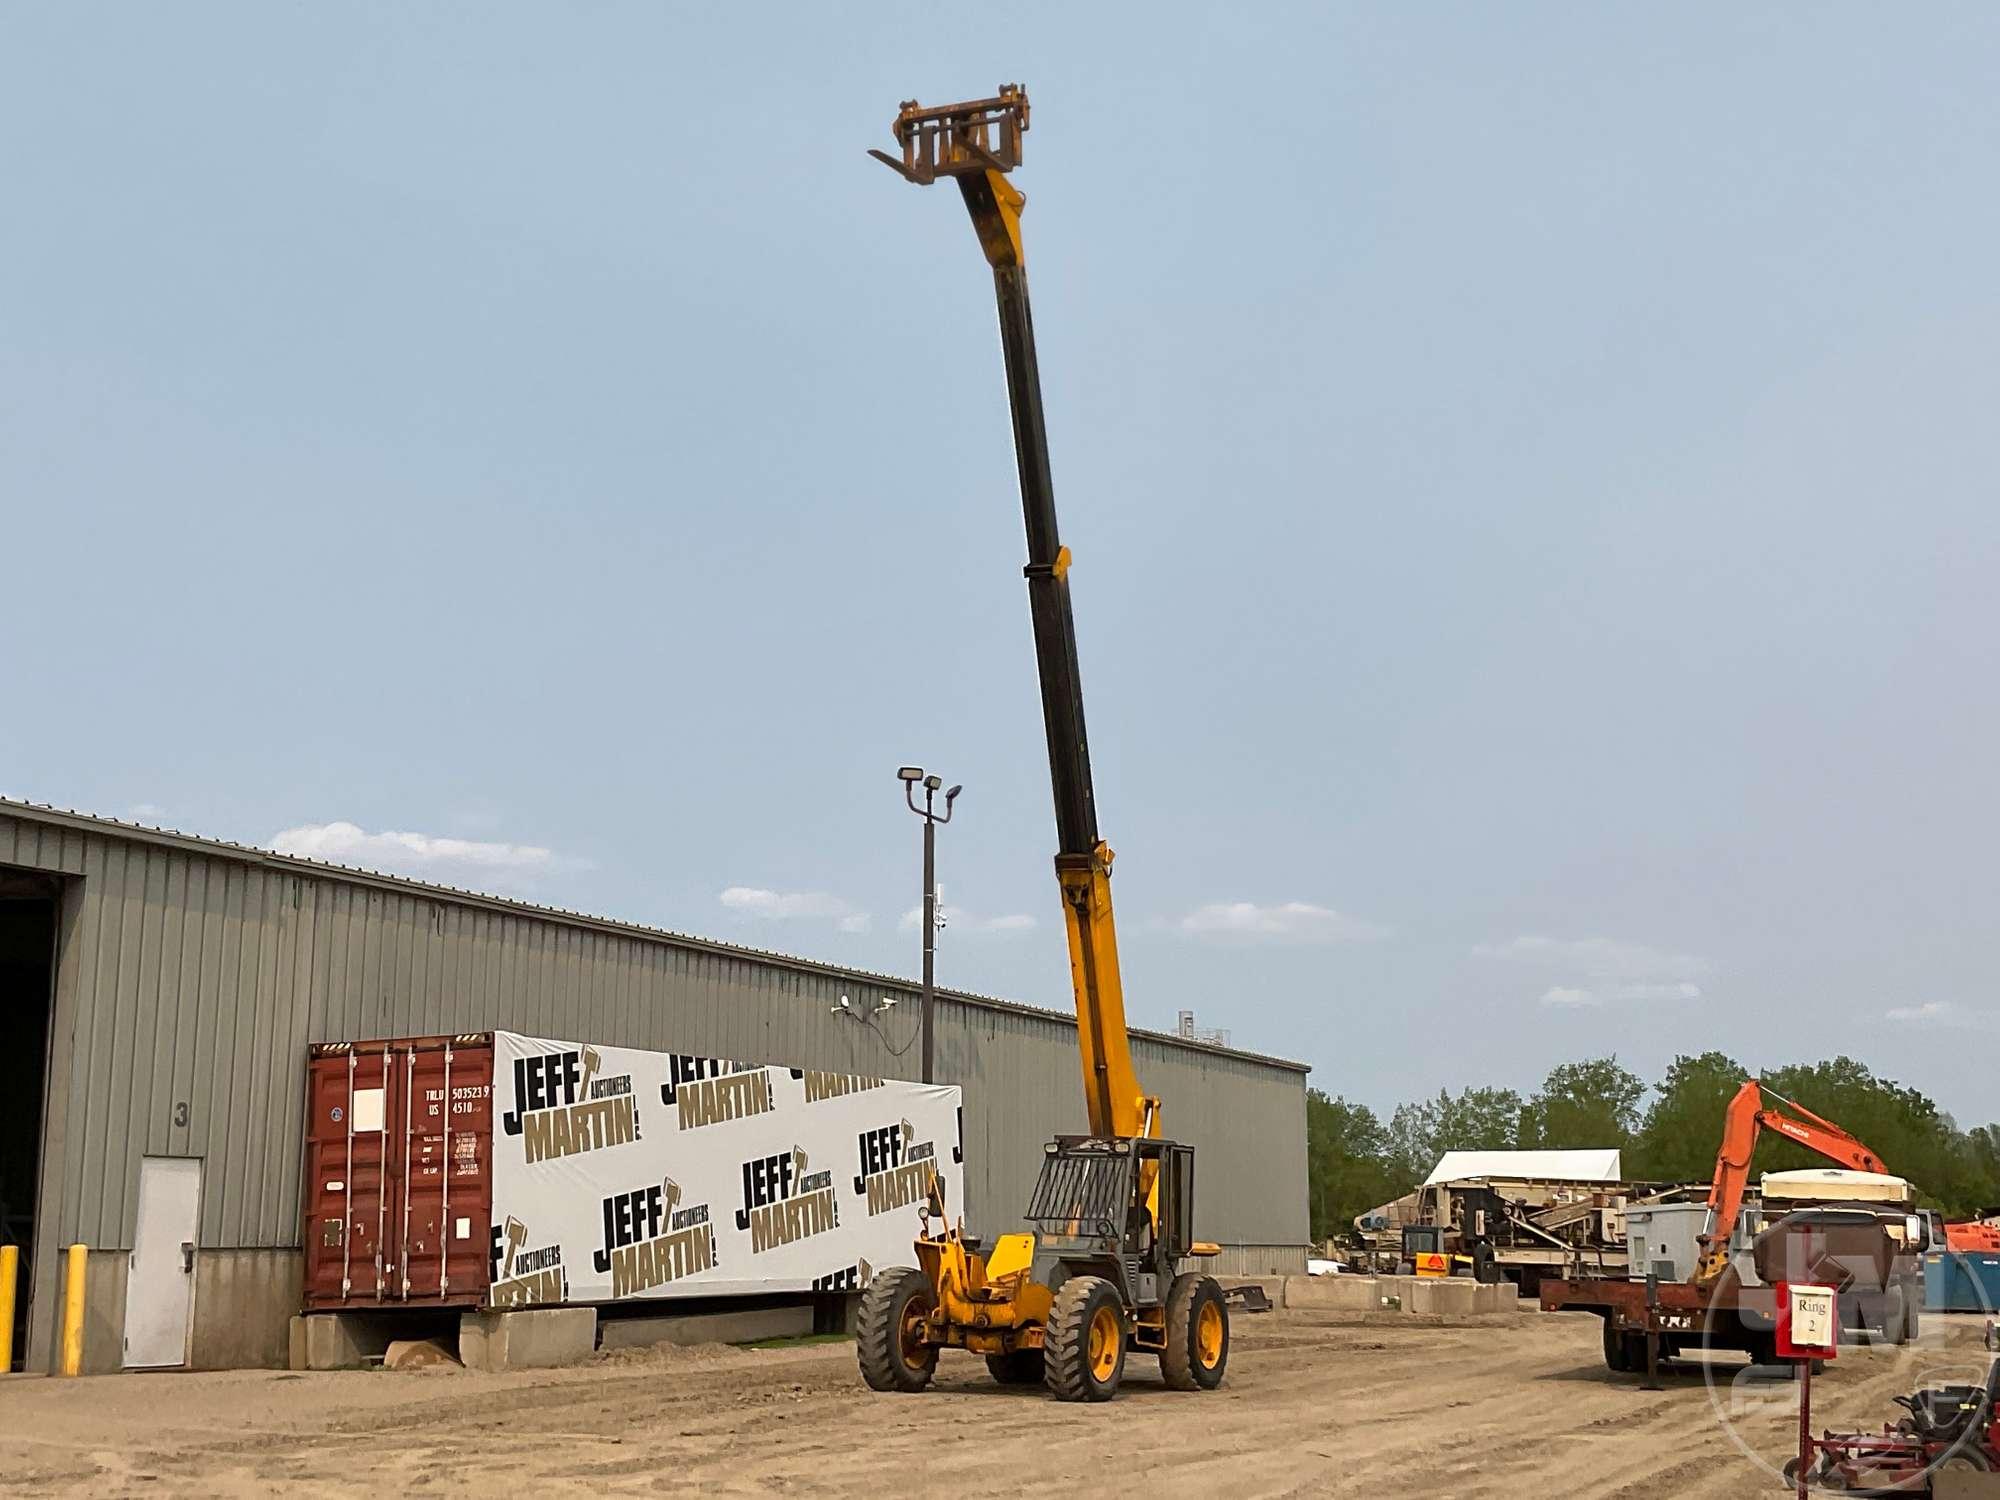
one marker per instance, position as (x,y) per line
(833,1085)
(708,1101)
(542,1082)
(578,1128)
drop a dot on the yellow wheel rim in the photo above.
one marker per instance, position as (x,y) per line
(1107,1341)
(910,1334)
(1208,1335)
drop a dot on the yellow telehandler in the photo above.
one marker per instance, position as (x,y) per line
(1112,1214)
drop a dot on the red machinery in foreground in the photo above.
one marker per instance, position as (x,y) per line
(1951,1427)
(1646,1319)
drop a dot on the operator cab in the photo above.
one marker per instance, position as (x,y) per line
(1090,1205)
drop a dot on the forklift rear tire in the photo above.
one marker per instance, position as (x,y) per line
(1197,1348)
(1083,1348)
(889,1331)
(1018,1367)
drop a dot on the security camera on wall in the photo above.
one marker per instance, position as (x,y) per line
(845,1008)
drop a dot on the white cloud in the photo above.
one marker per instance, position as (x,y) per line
(149,813)
(423,855)
(1561,995)
(1930,1010)
(1288,921)
(1677,990)
(1603,970)
(785,906)
(1597,957)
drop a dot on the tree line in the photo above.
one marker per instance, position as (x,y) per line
(1668,1132)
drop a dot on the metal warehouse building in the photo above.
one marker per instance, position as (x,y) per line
(158,993)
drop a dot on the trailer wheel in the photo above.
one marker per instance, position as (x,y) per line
(1016,1367)
(1485,1264)
(1913,1313)
(1197,1347)
(1083,1349)
(1617,1348)
(889,1331)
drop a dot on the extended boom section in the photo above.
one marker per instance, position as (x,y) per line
(1112,1214)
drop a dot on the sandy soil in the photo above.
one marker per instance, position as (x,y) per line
(1312,1406)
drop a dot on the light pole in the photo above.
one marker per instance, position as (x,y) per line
(910,776)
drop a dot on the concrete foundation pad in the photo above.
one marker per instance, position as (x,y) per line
(328,1341)
(1332,1293)
(1450,1296)
(708,1328)
(526,1339)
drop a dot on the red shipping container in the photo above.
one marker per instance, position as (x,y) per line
(399,1173)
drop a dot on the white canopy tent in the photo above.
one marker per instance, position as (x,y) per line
(1528,1166)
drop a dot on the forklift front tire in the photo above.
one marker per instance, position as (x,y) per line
(889,1331)
(1083,1349)
(1197,1348)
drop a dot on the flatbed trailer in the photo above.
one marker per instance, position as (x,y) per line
(1675,1315)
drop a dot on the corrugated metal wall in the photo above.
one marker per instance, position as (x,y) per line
(191,978)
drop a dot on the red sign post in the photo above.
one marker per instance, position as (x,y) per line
(1808,1330)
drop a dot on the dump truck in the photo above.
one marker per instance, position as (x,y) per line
(1704,1274)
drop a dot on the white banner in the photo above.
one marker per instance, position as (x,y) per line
(622,1174)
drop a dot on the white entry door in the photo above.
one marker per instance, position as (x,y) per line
(159,1288)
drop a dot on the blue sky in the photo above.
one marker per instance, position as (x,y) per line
(1530,473)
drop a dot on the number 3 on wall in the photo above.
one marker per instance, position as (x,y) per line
(180,1114)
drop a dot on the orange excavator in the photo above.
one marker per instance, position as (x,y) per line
(1748,1118)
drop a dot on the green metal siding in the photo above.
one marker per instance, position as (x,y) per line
(193,973)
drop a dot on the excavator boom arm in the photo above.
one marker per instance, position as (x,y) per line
(1745,1121)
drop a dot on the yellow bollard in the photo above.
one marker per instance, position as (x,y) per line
(72,1330)
(10,1268)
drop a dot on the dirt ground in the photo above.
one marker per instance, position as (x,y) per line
(1313,1406)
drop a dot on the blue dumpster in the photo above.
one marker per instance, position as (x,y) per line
(1962,1281)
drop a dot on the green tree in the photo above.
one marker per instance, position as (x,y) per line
(1412,1145)
(1582,1105)
(1479,1119)
(1482,1119)
(1908,1132)
(1682,1129)
(1346,1163)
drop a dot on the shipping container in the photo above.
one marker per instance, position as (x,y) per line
(499,1170)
